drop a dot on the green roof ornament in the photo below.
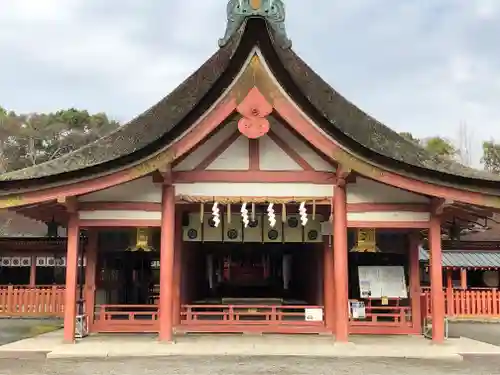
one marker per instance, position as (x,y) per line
(273,11)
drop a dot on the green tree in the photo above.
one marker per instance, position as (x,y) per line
(439,146)
(491,156)
(31,139)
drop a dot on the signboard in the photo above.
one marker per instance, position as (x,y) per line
(382,282)
(357,310)
(314,315)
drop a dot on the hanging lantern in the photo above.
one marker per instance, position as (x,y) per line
(366,241)
(142,239)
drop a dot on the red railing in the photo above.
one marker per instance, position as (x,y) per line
(390,319)
(125,318)
(255,318)
(470,303)
(42,301)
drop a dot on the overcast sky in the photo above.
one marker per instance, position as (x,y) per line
(421,66)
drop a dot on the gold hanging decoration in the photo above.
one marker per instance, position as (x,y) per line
(202,212)
(142,238)
(229,213)
(366,241)
(283,213)
(314,210)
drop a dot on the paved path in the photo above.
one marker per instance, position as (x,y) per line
(486,332)
(251,366)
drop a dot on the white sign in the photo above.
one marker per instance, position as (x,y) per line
(314,315)
(382,281)
(358,310)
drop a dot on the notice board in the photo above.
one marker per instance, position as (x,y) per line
(382,281)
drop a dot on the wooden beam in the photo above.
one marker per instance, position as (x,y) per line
(312,177)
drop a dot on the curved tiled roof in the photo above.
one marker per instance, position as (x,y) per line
(166,120)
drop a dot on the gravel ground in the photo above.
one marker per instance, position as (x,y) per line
(251,366)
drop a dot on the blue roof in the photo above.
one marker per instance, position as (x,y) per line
(465,258)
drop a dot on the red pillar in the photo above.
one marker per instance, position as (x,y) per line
(415,291)
(436,273)
(176,312)
(71,278)
(463,278)
(328,285)
(340,263)
(90,275)
(33,272)
(167,262)
(449,292)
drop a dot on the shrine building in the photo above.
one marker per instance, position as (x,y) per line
(252,198)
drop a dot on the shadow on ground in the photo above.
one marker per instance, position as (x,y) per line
(12,329)
(481,331)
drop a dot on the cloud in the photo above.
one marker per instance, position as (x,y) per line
(419,66)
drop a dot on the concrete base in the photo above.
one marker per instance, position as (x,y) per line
(126,345)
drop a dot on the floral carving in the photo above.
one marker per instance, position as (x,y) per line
(254,109)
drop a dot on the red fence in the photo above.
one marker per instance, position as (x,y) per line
(39,301)
(252,318)
(384,319)
(471,303)
(125,318)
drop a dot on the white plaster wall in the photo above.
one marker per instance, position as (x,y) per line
(368,191)
(394,216)
(303,148)
(273,158)
(235,157)
(119,215)
(140,190)
(254,189)
(202,152)
(16,225)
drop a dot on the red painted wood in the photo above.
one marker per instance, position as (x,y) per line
(119,206)
(313,177)
(176,312)
(167,263)
(26,301)
(90,276)
(463,278)
(254,154)
(340,263)
(415,290)
(389,224)
(436,275)
(33,271)
(248,318)
(126,318)
(71,278)
(471,303)
(119,223)
(328,285)
(254,108)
